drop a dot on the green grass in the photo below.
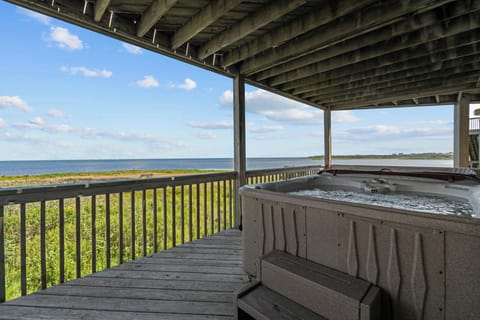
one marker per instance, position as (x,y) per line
(33,213)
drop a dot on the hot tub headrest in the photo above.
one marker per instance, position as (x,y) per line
(457,174)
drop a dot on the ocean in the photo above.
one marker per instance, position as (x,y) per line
(14,168)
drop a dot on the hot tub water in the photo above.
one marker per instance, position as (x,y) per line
(407,201)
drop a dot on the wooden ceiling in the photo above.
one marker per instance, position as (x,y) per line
(332,54)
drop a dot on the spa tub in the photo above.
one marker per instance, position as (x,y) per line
(427,264)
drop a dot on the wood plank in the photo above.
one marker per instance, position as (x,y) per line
(227,251)
(390,93)
(208,15)
(39,313)
(213,269)
(204,256)
(390,72)
(263,303)
(189,262)
(152,14)
(367,19)
(427,74)
(138,293)
(159,275)
(403,60)
(121,304)
(398,37)
(158,284)
(251,23)
(306,23)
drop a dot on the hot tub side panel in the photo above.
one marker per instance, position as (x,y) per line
(426,267)
(271,225)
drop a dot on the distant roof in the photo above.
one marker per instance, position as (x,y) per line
(335,54)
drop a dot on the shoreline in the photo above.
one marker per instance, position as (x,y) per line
(79,177)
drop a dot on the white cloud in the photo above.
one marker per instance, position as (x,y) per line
(43,19)
(38,123)
(14,102)
(55,113)
(224,124)
(147,82)
(263,129)
(188,84)
(130,48)
(64,39)
(432,123)
(343,116)
(281,109)
(206,135)
(89,73)
(3,124)
(156,140)
(383,132)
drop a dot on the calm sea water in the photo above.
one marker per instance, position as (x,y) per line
(13,168)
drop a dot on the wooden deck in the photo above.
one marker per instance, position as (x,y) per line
(193,281)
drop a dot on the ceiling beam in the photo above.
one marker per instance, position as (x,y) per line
(398,30)
(100,8)
(208,15)
(391,72)
(262,17)
(422,54)
(429,72)
(392,85)
(407,91)
(422,101)
(432,62)
(362,104)
(294,29)
(367,19)
(152,14)
(436,32)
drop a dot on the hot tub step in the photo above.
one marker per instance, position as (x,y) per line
(328,292)
(262,303)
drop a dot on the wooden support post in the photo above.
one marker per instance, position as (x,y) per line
(327,136)
(240,163)
(460,134)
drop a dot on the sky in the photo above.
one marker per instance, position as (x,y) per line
(69,93)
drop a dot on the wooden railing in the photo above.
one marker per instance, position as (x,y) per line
(474,124)
(270,175)
(53,234)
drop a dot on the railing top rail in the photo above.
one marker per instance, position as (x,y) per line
(257,172)
(52,192)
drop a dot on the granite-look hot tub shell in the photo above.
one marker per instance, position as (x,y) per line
(428,265)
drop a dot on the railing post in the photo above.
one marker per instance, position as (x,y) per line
(460,132)
(2,256)
(240,163)
(327,136)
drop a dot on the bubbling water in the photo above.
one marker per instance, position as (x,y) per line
(407,201)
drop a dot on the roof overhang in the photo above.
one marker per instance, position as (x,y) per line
(331,54)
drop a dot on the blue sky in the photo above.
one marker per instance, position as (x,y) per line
(68,93)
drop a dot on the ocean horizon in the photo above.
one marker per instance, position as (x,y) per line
(36,167)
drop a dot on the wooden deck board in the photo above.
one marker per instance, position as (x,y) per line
(194,281)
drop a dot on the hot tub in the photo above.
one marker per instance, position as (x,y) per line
(427,264)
